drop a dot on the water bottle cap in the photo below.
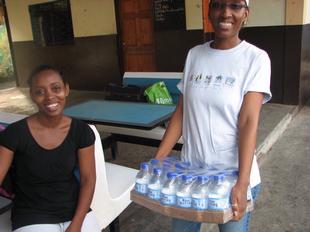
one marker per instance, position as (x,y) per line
(233,173)
(187,177)
(144,166)
(203,178)
(157,171)
(171,175)
(219,177)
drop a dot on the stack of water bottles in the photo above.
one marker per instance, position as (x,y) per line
(175,183)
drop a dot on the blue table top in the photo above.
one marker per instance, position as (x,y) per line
(119,113)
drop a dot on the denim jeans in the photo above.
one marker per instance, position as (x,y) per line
(179,225)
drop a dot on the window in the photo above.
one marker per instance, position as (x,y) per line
(51,23)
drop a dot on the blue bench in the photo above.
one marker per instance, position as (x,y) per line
(139,136)
(145,79)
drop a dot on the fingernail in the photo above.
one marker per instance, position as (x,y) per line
(235,213)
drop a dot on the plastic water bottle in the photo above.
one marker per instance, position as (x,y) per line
(184,192)
(142,179)
(200,193)
(182,166)
(154,163)
(232,177)
(168,192)
(219,193)
(166,167)
(155,185)
(171,160)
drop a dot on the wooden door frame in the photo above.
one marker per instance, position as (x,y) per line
(119,38)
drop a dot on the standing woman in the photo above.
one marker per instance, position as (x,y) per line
(43,151)
(225,83)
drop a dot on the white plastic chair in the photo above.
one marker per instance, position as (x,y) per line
(113,186)
(5,222)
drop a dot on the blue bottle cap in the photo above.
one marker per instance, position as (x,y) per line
(219,177)
(171,175)
(203,179)
(157,171)
(233,173)
(144,166)
(187,177)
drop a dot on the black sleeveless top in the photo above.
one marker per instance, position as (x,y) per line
(45,187)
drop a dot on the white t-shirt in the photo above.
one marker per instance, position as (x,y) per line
(213,87)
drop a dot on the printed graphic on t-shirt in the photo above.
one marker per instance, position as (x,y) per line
(210,81)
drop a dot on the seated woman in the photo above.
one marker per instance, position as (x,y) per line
(43,151)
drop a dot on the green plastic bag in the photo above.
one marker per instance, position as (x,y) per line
(158,94)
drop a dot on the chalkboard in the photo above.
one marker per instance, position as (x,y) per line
(169,14)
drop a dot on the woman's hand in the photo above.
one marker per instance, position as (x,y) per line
(239,200)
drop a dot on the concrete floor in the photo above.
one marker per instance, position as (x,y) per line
(274,120)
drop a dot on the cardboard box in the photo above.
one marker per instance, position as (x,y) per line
(218,217)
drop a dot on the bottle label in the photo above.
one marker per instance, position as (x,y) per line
(200,203)
(184,202)
(167,199)
(141,188)
(249,194)
(154,194)
(218,203)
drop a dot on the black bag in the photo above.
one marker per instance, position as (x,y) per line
(124,93)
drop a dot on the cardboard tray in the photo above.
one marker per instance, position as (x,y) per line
(218,217)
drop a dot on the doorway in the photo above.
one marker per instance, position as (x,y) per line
(136,35)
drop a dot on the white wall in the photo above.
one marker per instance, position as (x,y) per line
(307,12)
(266,13)
(19,18)
(193,11)
(89,18)
(93,17)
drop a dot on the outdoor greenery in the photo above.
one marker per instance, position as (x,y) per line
(6,66)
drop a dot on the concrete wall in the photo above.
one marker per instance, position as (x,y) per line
(193,10)
(307,12)
(266,13)
(89,18)
(93,17)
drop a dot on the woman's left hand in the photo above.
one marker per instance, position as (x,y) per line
(238,200)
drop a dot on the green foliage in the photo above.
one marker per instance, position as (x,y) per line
(6,65)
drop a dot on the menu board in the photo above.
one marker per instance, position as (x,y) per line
(169,15)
